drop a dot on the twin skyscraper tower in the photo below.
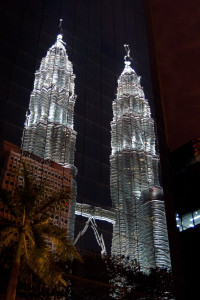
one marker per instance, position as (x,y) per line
(138,210)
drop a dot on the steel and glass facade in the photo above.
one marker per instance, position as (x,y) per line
(140,231)
(48,131)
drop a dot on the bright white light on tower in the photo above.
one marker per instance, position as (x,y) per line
(48,131)
(140,231)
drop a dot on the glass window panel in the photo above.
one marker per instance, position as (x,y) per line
(92,149)
(25,62)
(94,97)
(80,143)
(107,104)
(22,77)
(6,69)
(93,113)
(4,88)
(106,137)
(92,169)
(93,131)
(106,151)
(19,95)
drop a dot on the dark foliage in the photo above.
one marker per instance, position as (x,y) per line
(105,278)
(96,278)
(28,232)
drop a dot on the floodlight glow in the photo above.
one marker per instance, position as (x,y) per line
(195,218)
(97,213)
(48,131)
(140,231)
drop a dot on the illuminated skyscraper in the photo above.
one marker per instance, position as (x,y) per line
(48,132)
(140,231)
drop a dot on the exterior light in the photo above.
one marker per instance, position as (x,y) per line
(140,231)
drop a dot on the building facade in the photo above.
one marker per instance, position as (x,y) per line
(140,231)
(48,131)
(48,141)
(185,182)
(52,176)
(139,226)
(49,127)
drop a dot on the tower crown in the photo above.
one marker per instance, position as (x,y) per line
(129,81)
(134,180)
(59,44)
(127,61)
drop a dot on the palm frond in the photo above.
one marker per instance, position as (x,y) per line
(49,203)
(30,236)
(25,247)
(62,245)
(7,230)
(39,238)
(65,249)
(11,202)
(41,220)
(31,207)
(46,269)
(5,222)
(7,237)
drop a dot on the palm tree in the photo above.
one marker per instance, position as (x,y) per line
(38,242)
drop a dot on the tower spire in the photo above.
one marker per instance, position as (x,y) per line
(60,27)
(134,178)
(127,57)
(49,132)
(60,35)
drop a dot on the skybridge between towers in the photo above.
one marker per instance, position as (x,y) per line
(92,214)
(98,213)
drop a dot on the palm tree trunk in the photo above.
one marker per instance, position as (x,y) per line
(12,284)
